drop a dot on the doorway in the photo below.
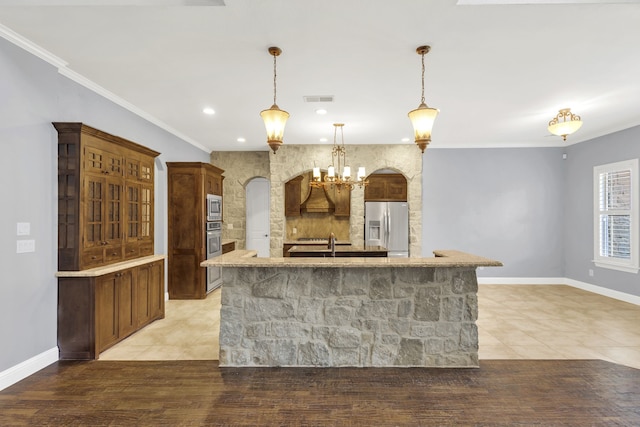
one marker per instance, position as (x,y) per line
(258,216)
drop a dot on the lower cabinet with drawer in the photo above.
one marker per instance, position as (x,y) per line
(97,311)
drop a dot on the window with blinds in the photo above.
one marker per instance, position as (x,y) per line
(616,215)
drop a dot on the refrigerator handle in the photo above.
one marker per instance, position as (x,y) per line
(387,228)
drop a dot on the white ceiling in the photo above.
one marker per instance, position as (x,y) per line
(498,73)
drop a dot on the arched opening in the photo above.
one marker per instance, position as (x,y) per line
(258,216)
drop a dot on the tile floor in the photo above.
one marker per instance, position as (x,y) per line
(189,331)
(515,322)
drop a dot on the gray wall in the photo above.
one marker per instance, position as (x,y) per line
(578,206)
(504,204)
(32,95)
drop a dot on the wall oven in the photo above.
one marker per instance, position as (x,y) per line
(214,249)
(214,208)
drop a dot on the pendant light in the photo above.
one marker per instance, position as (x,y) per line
(422,118)
(565,123)
(274,118)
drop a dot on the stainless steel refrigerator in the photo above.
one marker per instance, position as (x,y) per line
(387,224)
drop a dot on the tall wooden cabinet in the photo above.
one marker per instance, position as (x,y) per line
(188,185)
(109,282)
(105,198)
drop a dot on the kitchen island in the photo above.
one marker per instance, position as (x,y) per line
(339,251)
(408,312)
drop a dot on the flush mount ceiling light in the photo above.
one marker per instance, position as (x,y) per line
(274,118)
(565,123)
(338,178)
(422,118)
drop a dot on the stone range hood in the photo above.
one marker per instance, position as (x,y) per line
(317,202)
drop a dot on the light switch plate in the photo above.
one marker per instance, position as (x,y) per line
(23,229)
(24,246)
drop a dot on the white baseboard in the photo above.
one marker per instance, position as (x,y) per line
(522,280)
(621,296)
(28,367)
(632,299)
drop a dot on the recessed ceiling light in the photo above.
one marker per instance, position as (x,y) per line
(323,139)
(208,110)
(405,139)
(241,139)
(321,111)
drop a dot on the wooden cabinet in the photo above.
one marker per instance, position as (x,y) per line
(213,181)
(342,202)
(386,187)
(228,247)
(150,297)
(297,189)
(95,312)
(188,185)
(138,234)
(292,200)
(105,198)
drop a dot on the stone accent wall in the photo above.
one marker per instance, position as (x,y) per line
(292,160)
(239,167)
(324,316)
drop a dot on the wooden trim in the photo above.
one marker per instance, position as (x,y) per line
(64,127)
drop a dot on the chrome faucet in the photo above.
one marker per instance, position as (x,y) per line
(332,244)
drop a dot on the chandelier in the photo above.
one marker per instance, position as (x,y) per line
(338,178)
(422,118)
(274,118)
(565,123)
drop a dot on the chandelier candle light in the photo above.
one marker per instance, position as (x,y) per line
(565,123)
(422,118)
(333,178)
(274,118)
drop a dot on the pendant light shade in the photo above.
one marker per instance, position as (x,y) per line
(423,117)
(274,118)
(274,121)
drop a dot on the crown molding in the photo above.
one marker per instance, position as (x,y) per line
(62,68)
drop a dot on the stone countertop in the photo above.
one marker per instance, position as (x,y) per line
(111,268)
(341,248)
(443,258)
(227,241)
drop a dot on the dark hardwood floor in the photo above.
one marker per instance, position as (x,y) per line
(194,393)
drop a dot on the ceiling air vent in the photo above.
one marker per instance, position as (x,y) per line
(318,98)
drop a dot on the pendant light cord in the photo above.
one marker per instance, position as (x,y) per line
(422,99)
(274,79)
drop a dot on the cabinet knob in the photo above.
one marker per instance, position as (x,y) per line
(94,257)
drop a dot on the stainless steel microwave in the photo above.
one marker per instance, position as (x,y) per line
(214,208)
